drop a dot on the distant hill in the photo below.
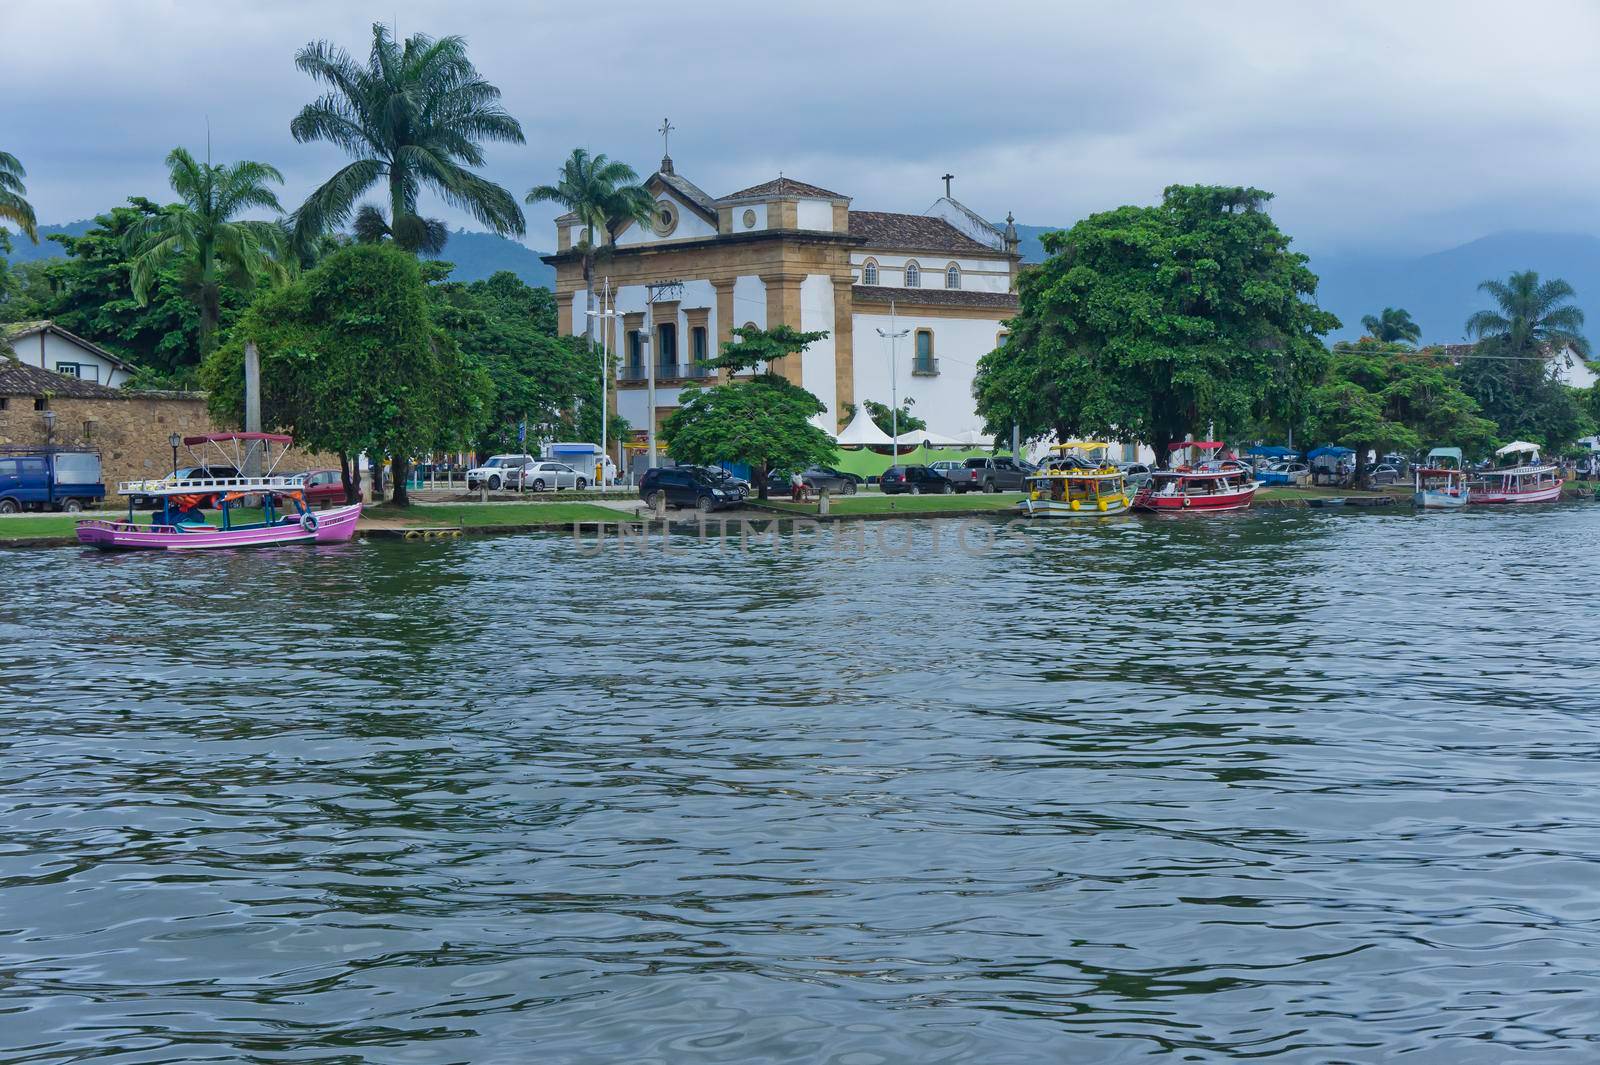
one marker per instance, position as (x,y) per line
(476,255)
(1440,289)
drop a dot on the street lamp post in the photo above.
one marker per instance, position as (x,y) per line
(894,387)
(604,314)
(174,440)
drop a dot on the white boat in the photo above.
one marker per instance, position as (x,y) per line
(1441,482)
(1526,479)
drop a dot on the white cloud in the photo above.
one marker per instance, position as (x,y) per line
(1416,124)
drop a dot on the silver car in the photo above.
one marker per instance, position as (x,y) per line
(544,474)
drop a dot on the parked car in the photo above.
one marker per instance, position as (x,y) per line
(1137,473)
(722,477)
(1284,473)
(685,486)
(913,479)
(1384,474)
(544,474)
(817,478)
(189,473)
(492,474)
(999,474)
(944,467)
(324,487)
(50,480)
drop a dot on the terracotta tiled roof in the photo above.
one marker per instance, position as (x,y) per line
(20,379)
(947,297)
(785,187)
(912,232)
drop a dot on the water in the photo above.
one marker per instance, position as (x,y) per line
(1296,787)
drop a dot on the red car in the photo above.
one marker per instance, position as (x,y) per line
(324,487)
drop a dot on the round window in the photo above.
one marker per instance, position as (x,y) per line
(749,219)
(666,218)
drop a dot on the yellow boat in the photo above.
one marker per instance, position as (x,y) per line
(1078,481)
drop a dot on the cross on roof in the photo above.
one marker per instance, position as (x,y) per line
(666,130)
(947,178)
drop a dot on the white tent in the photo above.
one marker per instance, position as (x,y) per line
(861,431)
(1519,447)
(926,439)
(975,438)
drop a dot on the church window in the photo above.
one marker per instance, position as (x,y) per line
(913,276)
(952,276)
(667,350)
(869,273)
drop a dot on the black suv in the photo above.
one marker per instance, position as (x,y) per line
(687,488)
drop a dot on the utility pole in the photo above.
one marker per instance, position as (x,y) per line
(605,314)
(655,291)
(894,386)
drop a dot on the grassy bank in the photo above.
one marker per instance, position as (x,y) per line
(904,504)
(468,515)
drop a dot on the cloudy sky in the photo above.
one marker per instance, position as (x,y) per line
(1380,125)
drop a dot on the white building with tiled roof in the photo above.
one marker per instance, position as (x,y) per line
(49,347)
(788,252)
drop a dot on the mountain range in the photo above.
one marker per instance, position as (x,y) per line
(1438,288)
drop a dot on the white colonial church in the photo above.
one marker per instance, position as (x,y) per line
(787,252)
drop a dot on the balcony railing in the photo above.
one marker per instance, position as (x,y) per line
(633,371)
(925,367)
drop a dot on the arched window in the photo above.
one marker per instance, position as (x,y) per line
(952,276)
(869,272)
(913,276)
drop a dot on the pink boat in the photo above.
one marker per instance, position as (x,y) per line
(179,526)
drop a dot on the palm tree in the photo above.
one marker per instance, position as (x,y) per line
(1394,325)
(601,193)
(13,208)
(414,115)
(425,236)
(1531,315)
(201,230)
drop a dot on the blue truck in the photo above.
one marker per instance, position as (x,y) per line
(49,479)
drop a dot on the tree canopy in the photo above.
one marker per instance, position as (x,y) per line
(1374,398)
(414,115)
(1152,323)
(351,361)
(202,237)
(1392,325)
(764,422)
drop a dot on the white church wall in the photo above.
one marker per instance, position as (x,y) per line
(690,226)
(814,214)
(749,301)
(943,401)
(818,362)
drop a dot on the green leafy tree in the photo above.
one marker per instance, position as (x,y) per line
(415,115)
(1151,323)
(203,237)
(1375,399)
(1393,325)
(764,422)
(90,293)
(1514,369)
(540,377)
(602,193)
(352,362)
(13,207)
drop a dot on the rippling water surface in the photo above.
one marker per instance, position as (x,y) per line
(1299,787)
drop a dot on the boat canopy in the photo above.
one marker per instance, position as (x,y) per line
(1445,453)
(1329,451)
(1203,445)
(214,438)
(1272,451)
(1083,445)
(1518,447)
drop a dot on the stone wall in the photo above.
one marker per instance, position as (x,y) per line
(130,432)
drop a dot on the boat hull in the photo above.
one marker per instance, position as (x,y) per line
(1050,508)
(1548,494)
(334,526)
(1425,500)
(1155,503)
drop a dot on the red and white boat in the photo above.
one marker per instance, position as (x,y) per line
(1525,479)
(286,515)
(1208,484)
